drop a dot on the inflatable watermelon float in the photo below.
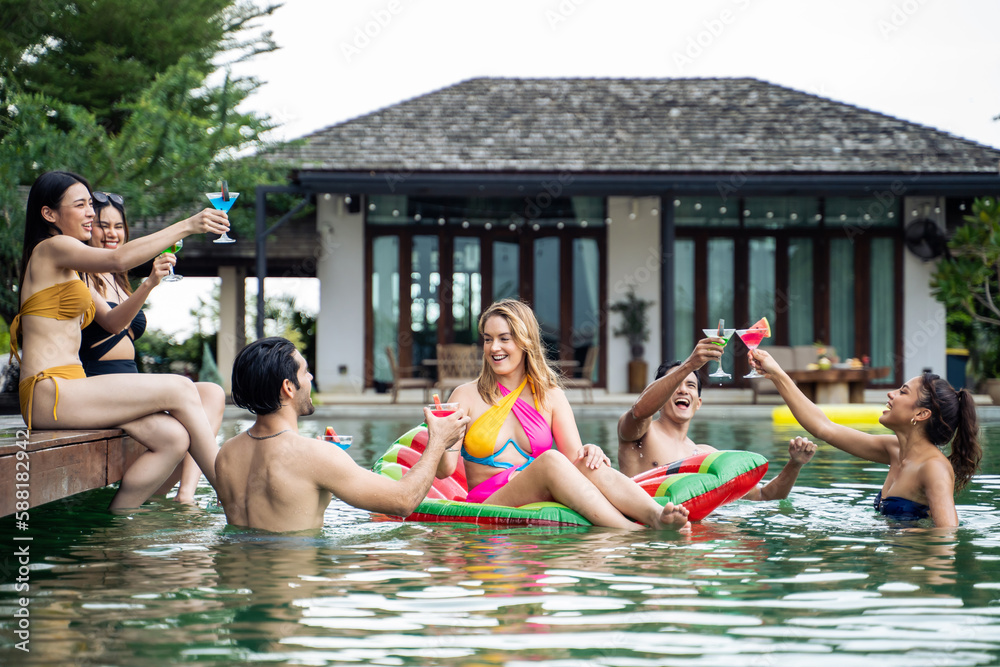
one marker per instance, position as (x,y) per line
(700,483)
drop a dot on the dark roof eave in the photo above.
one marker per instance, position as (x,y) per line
(557,184)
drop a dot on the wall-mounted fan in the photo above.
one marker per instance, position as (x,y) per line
(926,239)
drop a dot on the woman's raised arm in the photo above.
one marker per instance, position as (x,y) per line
(863,445)
(70,253)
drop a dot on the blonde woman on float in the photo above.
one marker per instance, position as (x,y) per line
(523,445)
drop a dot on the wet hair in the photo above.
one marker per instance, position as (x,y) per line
(121,278)
(259,371)
(47,190)
(527,336)
(953,419)
(667,365)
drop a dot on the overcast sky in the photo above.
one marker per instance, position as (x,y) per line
(928,61)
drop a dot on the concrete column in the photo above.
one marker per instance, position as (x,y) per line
(633,261)
(924,339)
(340,325)
(232,321)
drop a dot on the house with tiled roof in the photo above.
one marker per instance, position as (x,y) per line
(713,198)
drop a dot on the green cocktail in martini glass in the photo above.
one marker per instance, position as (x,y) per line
(173,250)
(725,334)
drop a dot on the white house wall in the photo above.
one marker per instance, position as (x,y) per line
(924,339)
(633,260)
(340,326)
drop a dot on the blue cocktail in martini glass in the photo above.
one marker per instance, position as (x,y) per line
(223,201)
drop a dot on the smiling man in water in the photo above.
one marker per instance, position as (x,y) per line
(645,443)
(270,477)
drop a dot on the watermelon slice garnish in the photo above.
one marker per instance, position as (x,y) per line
(330,433)
(761,325)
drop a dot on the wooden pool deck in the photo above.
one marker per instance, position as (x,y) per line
(60,463)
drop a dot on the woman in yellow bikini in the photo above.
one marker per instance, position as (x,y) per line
(523,445)
(56,305)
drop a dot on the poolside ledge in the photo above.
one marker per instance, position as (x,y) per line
(61,463)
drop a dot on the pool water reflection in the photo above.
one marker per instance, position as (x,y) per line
(816,579)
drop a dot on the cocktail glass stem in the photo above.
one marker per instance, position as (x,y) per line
(172,277)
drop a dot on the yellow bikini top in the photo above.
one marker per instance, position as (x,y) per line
(481,438)
(62,301)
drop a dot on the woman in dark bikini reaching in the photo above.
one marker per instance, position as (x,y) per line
(925,414)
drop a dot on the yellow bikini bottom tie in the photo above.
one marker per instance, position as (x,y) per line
(26,388)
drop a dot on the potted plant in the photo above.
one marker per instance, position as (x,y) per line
(967,281)
(635,327)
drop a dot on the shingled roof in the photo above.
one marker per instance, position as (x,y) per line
(695,125)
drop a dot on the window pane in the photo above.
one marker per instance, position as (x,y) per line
(798,308)
(720,288)
(385,303)
(424,308)
(781,212)
(856,214)
(684,324)
(546,288)
(386,210)
(506,269)
(537,208)
(762,252)
(883,306)
(586,306)
(842,297)
(706,211)
(467,288)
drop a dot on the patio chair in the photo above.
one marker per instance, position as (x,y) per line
(585,381)
(457,364)
(400,382)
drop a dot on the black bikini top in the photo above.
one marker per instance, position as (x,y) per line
(96,341)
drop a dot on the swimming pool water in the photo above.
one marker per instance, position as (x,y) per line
(817,579)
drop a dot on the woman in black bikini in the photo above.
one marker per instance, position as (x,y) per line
(925,414)
(107,344)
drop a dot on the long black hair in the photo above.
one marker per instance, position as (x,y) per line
(47,190)
(121,278)
(258,372)
(953,419)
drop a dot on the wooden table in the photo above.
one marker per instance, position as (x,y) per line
(837,385)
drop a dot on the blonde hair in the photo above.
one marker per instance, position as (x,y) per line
(528,338)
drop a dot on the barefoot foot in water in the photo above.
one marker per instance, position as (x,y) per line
(673,517)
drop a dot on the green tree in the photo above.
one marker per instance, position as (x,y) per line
(161,144)
(100,54)
(968,282)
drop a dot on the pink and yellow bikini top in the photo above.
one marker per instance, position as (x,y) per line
(62,301)
(480,444)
